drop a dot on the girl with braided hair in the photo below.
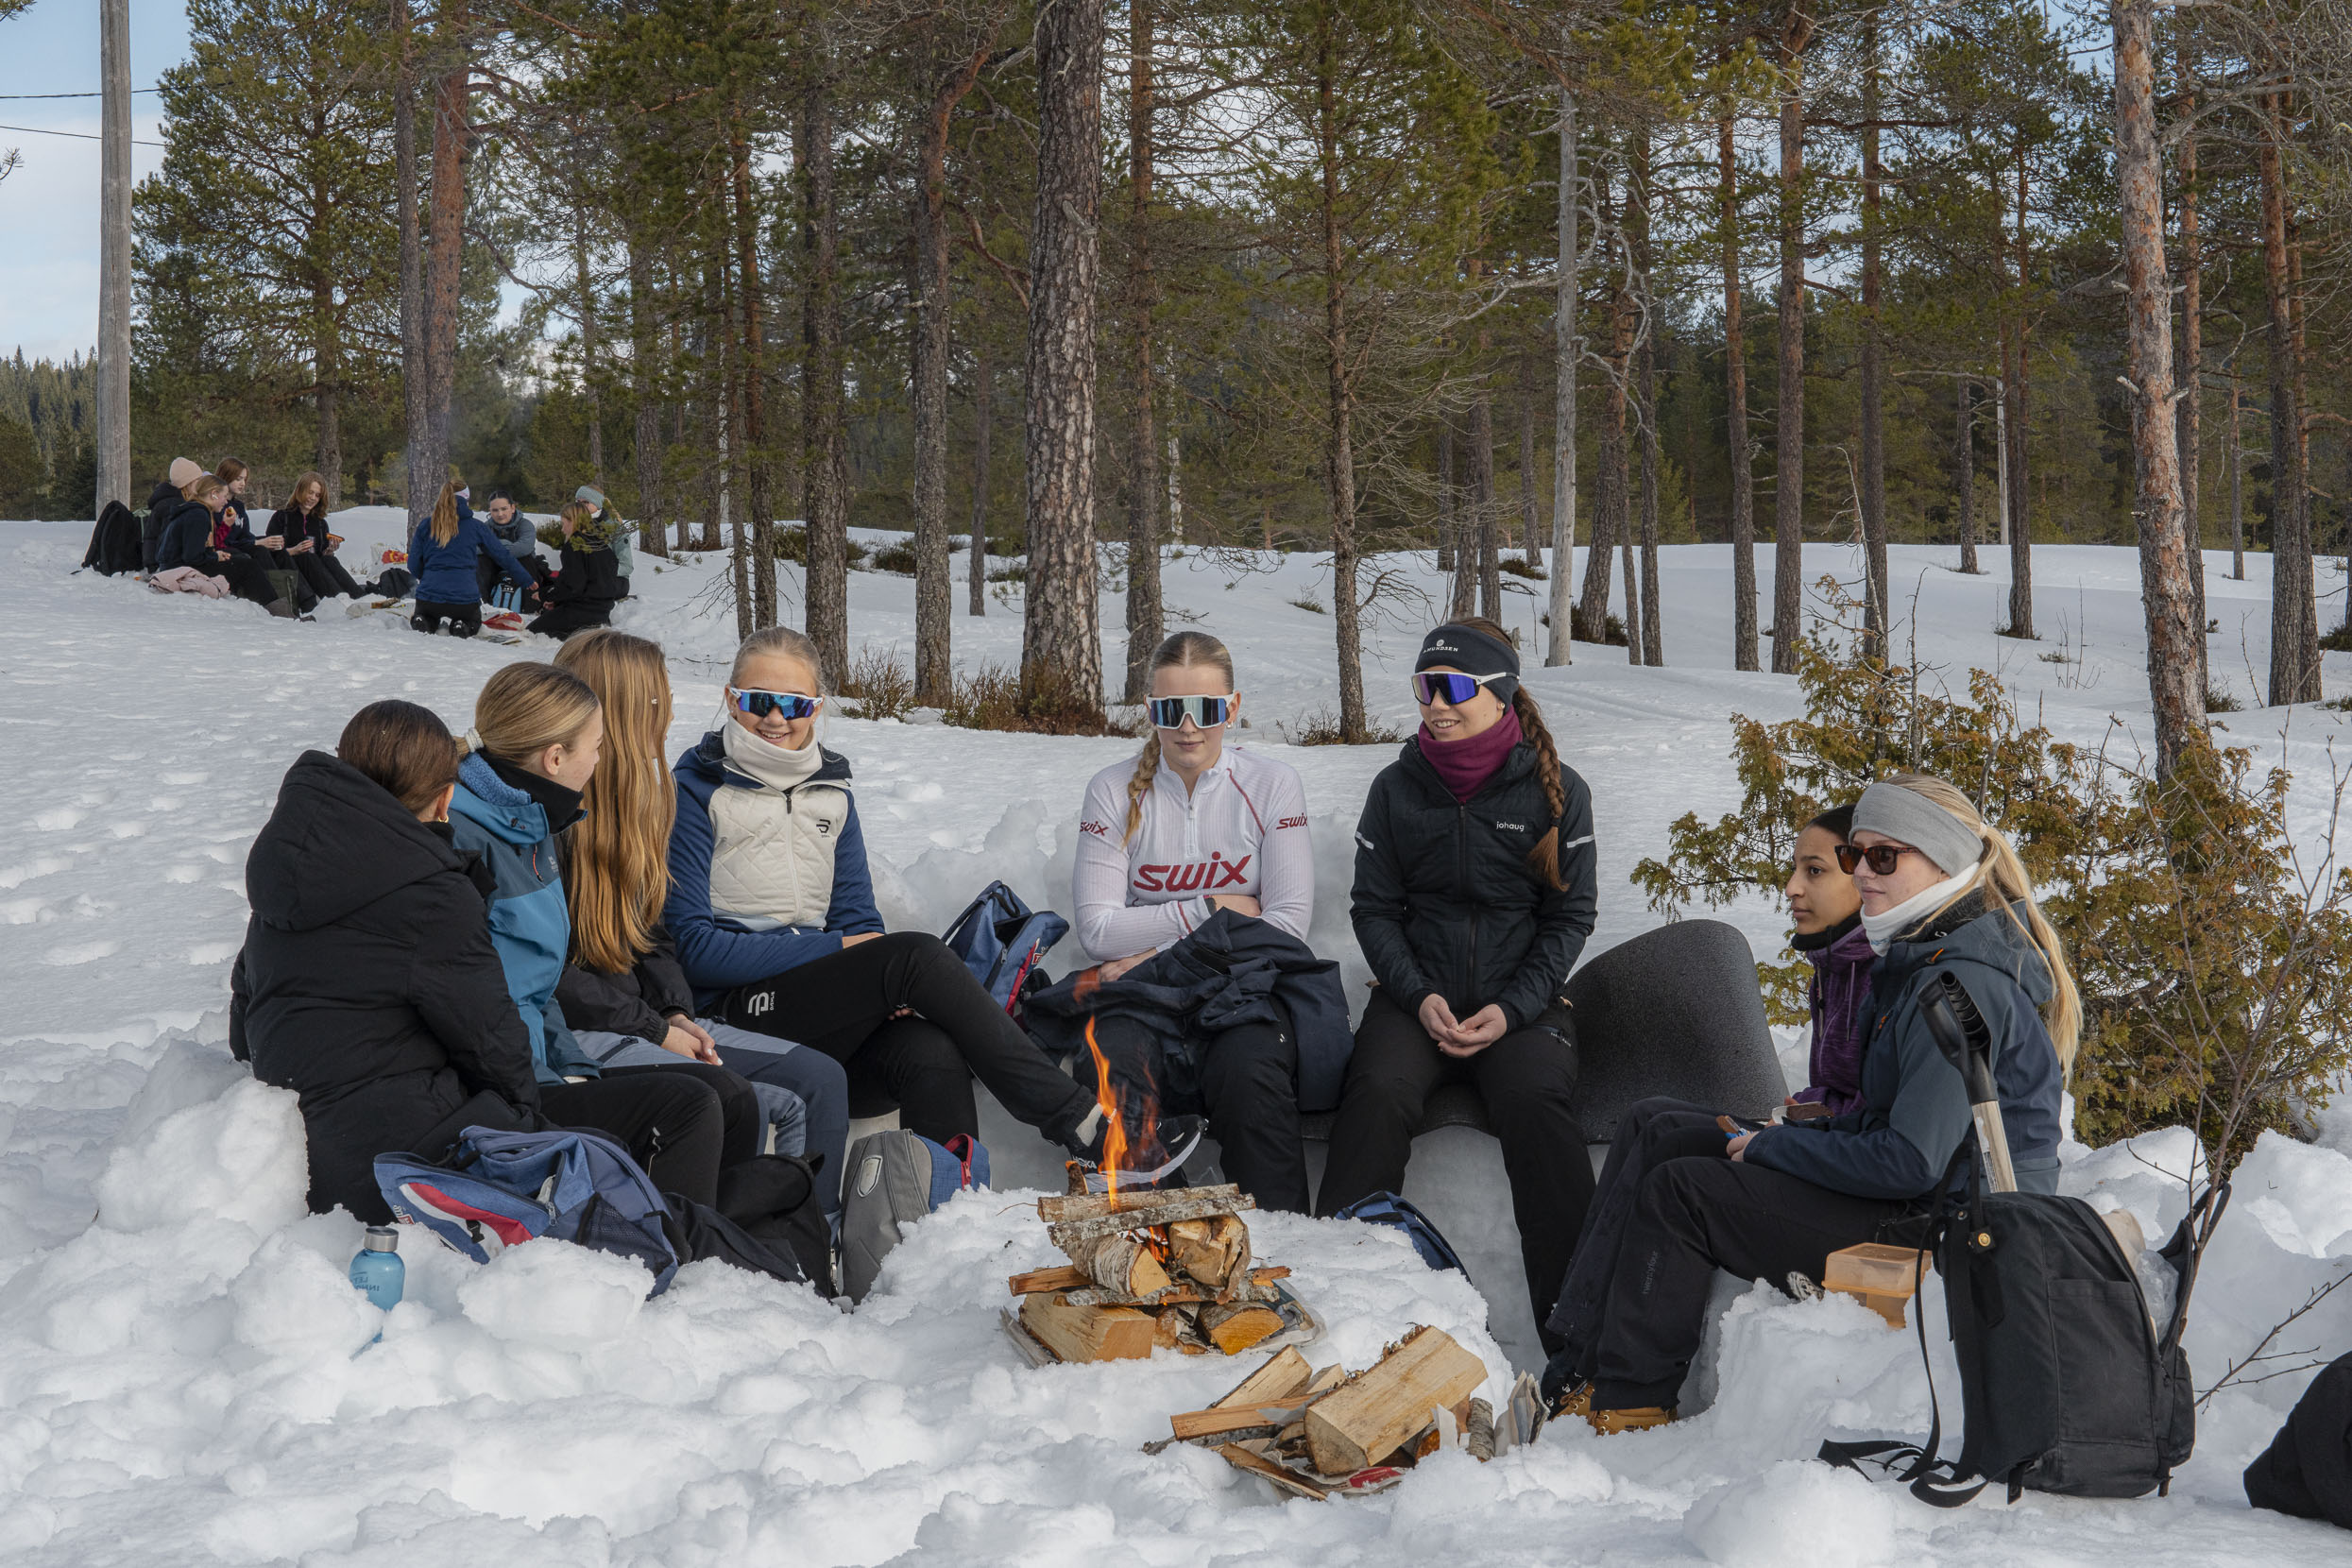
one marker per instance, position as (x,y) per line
(1475,892)
(1192,828)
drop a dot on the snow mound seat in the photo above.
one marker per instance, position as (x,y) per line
(1675,1011)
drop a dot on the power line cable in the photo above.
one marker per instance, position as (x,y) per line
(79,135)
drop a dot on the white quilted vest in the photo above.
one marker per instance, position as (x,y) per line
(771,852)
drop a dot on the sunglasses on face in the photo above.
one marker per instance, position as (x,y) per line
(1881,857)
(792,705)
(1456,690)
(1205,712)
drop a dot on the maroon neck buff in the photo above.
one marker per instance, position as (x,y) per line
(1464,766)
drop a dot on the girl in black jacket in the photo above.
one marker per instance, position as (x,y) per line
(309,549)
(1475,892)
(198,537)
(587,582)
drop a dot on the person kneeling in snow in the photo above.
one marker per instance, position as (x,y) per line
(771,907)
(1826,908)
(442,552)
(1942,893)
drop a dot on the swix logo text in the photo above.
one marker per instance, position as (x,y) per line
(1096,828)
(1198,877)
(1289,822)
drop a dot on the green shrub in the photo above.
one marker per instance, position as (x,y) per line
(991,697)
(878,682)
(896,557)
(1310,603)
(792,544)
(1321,728)
(1519,566)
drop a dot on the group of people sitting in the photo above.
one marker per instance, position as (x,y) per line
(551,922)
(457,563)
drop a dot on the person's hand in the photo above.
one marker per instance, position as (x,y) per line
(1477,1032)
(1437,1020)
(1738,1146)
(271,541)
(849,942)
(303,548)
(1117,967)
(1240,903)
(220,554)
(330,544)
(688,1039)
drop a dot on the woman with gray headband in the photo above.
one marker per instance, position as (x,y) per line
(1943,892)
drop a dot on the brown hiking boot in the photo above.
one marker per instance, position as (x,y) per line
(1577,1403)
(1640,1418)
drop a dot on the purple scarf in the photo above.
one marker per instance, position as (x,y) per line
(1464,766)
(1841,990)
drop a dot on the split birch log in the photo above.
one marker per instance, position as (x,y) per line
(1077,1219)
(1364,1420)
(1121,1262)
(1234,1326)
(1214,1252)
(1083,1290)
(1088,1333)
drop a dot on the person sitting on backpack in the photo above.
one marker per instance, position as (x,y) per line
(1474,894)
(442,552)
(771,907)
(587,583)
(513,530)
(1200,814)
(310,550)
(622,992)
(200,537)
(1942,894)
(1826,908)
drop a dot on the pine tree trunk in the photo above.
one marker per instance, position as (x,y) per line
(1789,521)
(2175,679)
(1558,650)
(2295,662)
(1146,621)
(934,668)
(1530,508)
(1653,641)
(1061,638)
(112,413)
(2192,362)
(1616,451)
(1485,528)
(1447,525)
(824,481)
(1737,440)
(983,410)
(729,514)
(761,532)
(1964,471)
(1339,444)
(452,92)
(416,433)
(645,373)
(2230,437)
(326,386)
(590,382)
(1873,439)
(2018,525)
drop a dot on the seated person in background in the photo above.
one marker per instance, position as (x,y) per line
(1474,894)
(171,489)
(309,549)
(1826,908)
(616,529)
(587,583)
(1942,893)
(1189,814)
(771,907)
(622,992)
(508,525)
(442,554)
(368,983)
(201,538)
(537,735)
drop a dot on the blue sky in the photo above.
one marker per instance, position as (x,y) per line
(49,206)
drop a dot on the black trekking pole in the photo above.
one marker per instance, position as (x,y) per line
(1966,1044)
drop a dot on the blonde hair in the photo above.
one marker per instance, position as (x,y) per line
(303,483)
(617,860)
(445,514)
(770,641)
(526,708)
(201,486)
(577,513)
(2001,868)
(1183,651)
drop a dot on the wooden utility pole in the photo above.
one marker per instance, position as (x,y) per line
(2175,674)
(114,410)
(1564,349)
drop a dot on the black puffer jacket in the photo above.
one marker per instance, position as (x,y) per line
(369,985)
(187,539)
(640,1001)
(589,577)
(1444,898)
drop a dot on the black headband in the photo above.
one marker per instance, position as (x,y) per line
(1473,652)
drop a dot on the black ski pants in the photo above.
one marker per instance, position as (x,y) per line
(1697,1213)
(323,574)
(850,1006)
(561,621)
(673,1121)
(1527,1079)
(246,578)
(465,620)
(1244,1079)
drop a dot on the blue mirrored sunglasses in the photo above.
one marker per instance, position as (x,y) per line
(1171,712)
(792,705)
(1456,690)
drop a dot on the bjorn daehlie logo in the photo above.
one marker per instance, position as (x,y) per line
(1200,876)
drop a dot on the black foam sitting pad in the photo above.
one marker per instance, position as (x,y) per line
(1675,1012)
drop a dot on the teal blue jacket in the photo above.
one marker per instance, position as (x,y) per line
(530,924)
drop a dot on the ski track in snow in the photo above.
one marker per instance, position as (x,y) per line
(178,1376)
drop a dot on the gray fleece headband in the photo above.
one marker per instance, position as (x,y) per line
(1911,818)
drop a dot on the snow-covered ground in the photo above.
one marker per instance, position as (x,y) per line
(177,1376)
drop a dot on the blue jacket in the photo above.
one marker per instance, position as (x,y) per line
(1915,1108)
(717,954)
(530,923)
(445,571)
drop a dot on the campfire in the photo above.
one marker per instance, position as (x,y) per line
(1151,1264)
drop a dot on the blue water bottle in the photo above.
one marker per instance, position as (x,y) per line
(377,1269)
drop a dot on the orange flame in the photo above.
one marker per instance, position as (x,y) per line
(1119,1140)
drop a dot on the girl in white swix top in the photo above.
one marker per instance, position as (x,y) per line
(1190,827)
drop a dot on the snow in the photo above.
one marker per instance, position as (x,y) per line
(186,1377)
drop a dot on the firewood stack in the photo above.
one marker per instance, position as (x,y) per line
(1150,1269)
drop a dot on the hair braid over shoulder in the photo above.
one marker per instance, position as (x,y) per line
(1545,858)
(1146,766)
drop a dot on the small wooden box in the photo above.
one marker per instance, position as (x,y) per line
(1882,1278)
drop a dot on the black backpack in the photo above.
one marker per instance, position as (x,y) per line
(114,543)
(152,524)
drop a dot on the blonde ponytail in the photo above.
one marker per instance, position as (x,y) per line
(1146,766)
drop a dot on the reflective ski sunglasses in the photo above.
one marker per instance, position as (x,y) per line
(1171,712)
(1430,684)
(792,705)
(1881,858)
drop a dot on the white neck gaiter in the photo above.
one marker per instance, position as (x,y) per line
(772,765)
(1884,928)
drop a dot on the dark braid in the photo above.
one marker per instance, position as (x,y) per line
(1545,858)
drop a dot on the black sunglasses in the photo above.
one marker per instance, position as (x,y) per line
(1881,858)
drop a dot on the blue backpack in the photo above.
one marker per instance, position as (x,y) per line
(1000,940)
(1387,1208)
(500,1189)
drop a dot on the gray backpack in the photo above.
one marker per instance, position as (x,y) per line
(895,1179)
